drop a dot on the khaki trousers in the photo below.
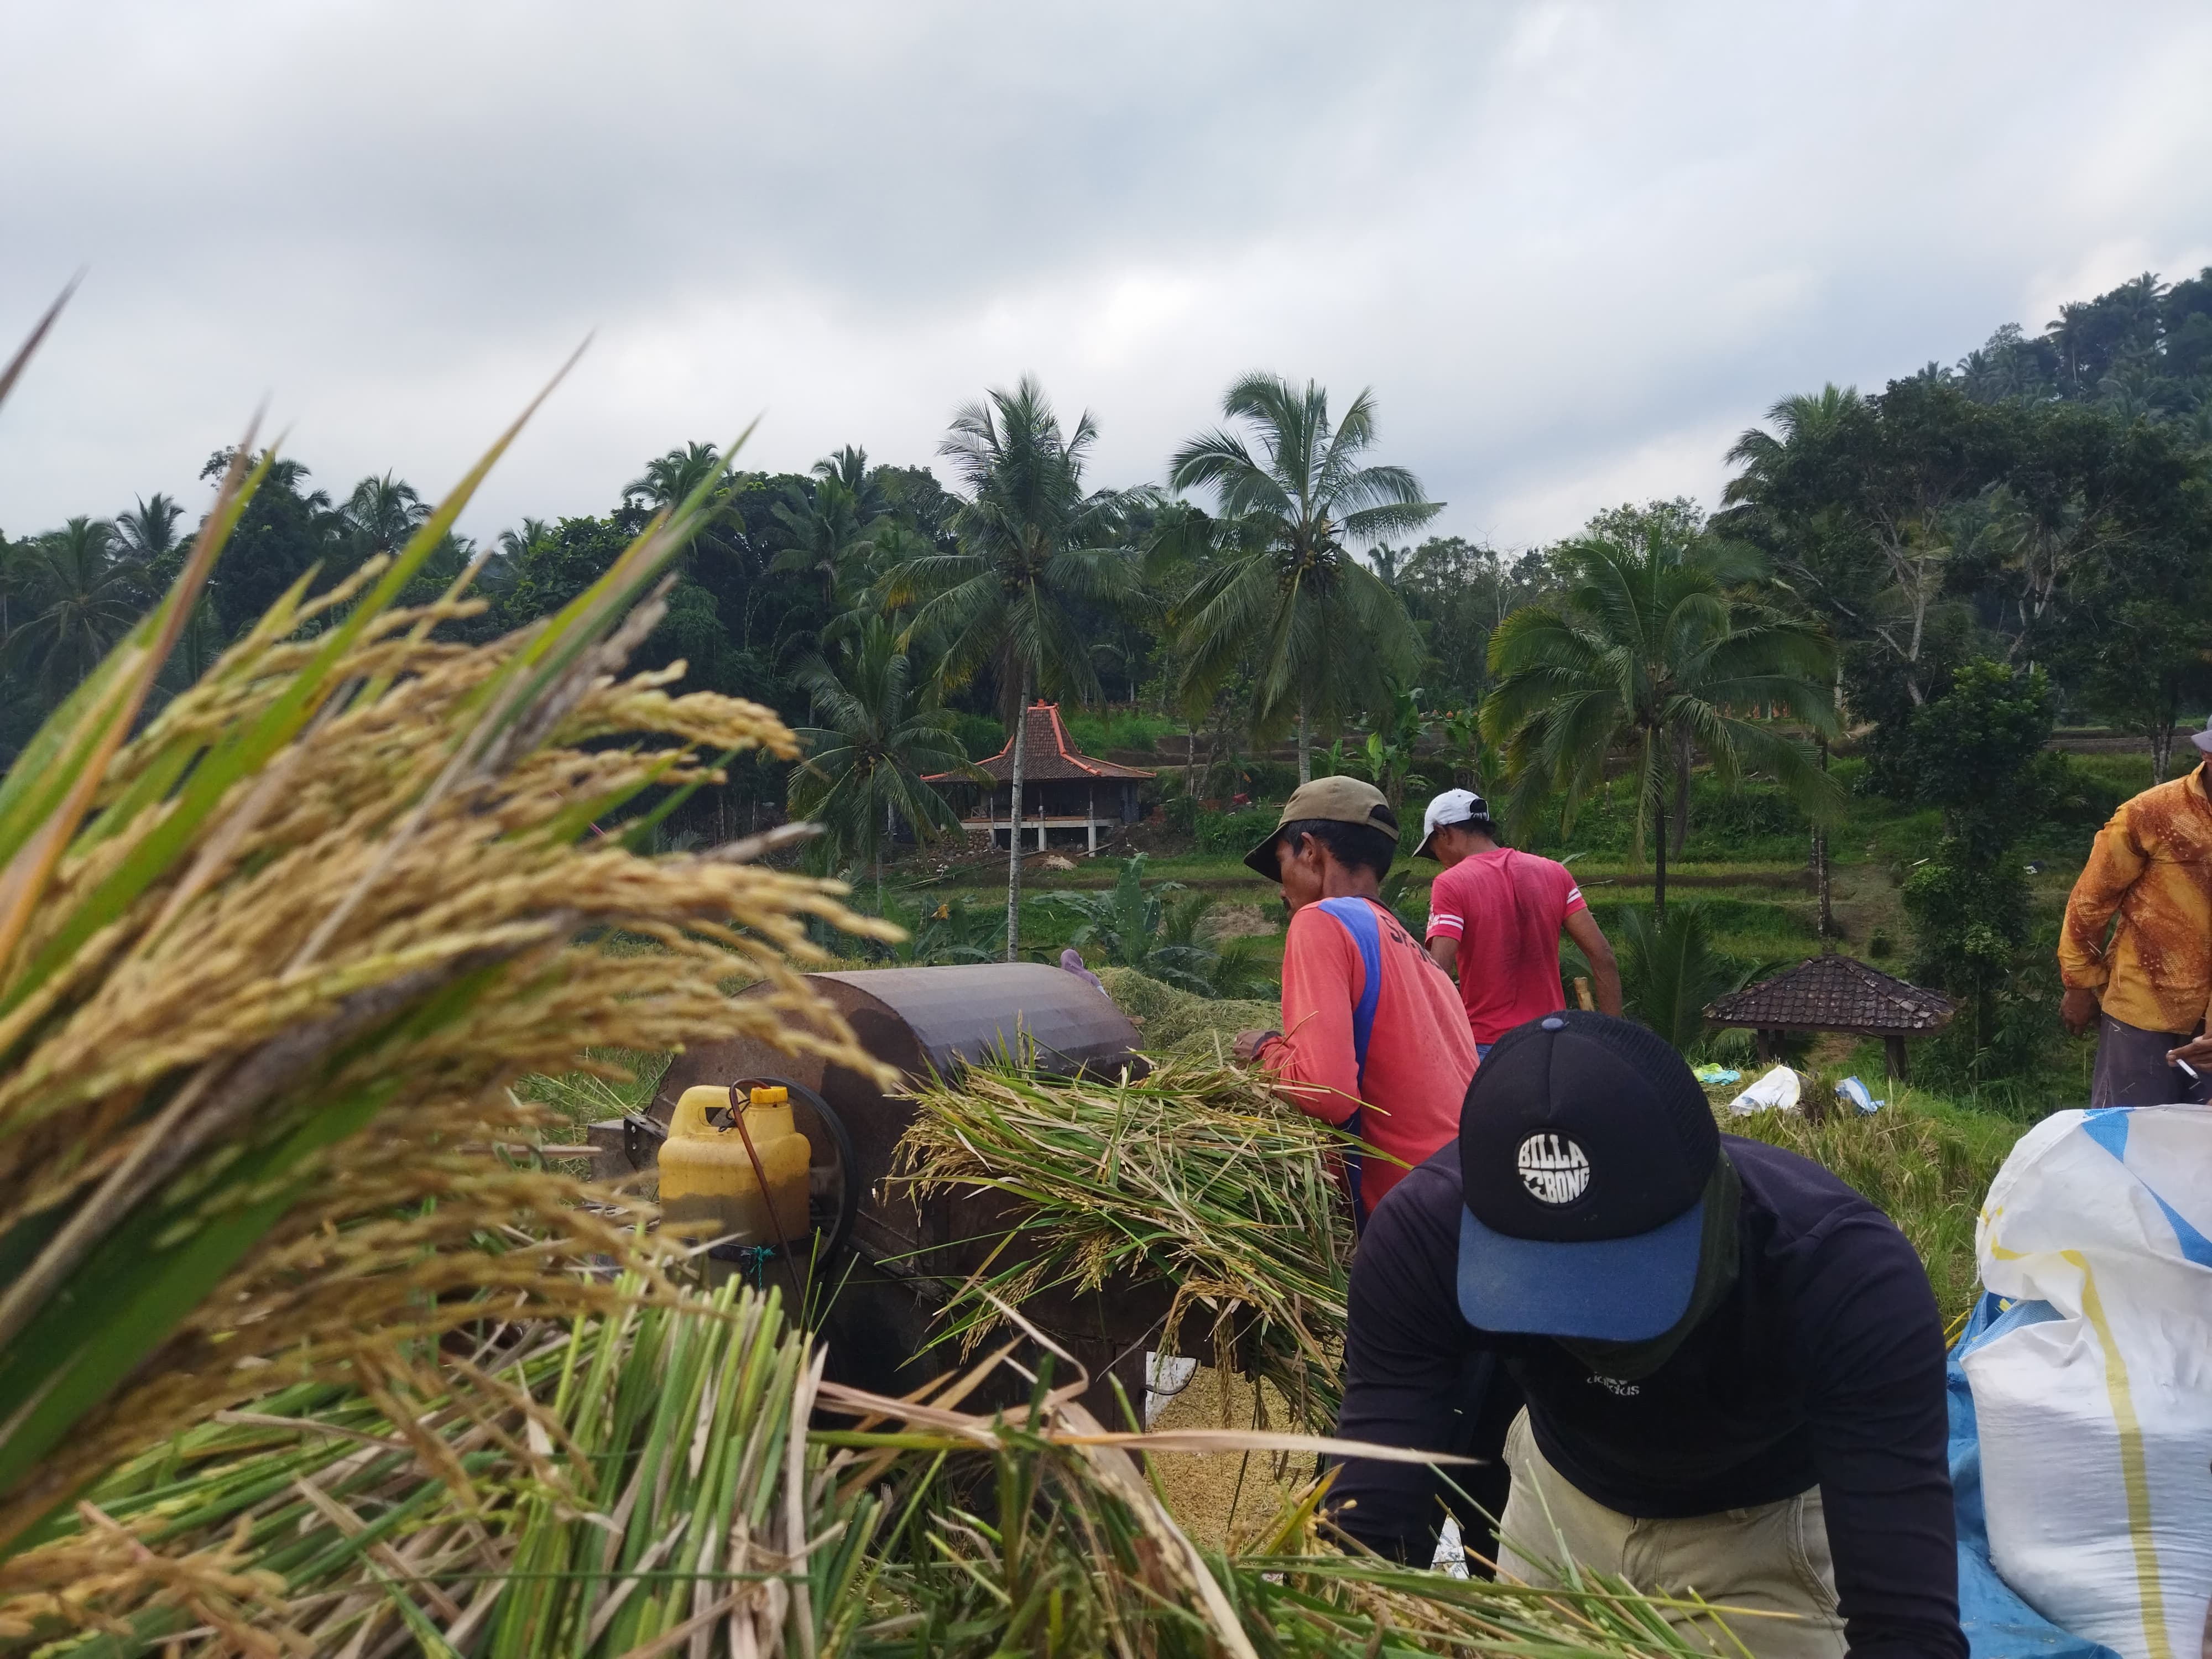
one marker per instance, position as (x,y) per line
(1768,1560)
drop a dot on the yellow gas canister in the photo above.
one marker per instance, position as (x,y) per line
(709,1186)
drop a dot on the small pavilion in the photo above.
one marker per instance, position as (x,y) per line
(1836,993)
(1064,793)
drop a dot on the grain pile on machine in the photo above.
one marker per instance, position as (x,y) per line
(878,1262)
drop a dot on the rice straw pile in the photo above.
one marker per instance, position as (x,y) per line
(1196,1175)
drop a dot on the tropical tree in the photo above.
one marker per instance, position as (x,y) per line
(383,511)
(287,530)
(513,543)
(1653,650)
(669,480)
(76,595)
(831,533)
(1388,757)
(1282,580)
(149,531)
(879,734)
(1032,549)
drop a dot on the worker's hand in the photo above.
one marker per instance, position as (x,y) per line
(1248,1043)
(2078,1009)
(2196,1052)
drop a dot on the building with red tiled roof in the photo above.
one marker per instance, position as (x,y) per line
(1065,792)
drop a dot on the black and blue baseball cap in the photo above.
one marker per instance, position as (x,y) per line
(1585,1149)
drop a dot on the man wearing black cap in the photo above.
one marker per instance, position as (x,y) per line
(1733,1363)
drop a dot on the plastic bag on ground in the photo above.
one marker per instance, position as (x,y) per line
(1856,1095)
(1775,1093)
(2093,1395)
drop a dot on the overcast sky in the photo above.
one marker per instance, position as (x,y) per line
(1574,248)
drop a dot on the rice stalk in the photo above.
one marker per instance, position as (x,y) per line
(1196,1175)
(631,1481)
(1075,1551)
(270,962)
(646,1484)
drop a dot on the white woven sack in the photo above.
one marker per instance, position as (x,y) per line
(2096,1421)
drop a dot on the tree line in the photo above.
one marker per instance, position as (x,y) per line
(2002,523)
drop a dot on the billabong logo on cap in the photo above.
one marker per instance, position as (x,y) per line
(1553,1169)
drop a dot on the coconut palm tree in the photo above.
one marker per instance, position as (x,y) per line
(879,734)
(669,479)
(382,513)
(1329,634)
(75,597)
(850,466)
(1032,546)
(1652,650)
(149,531)
(831,534)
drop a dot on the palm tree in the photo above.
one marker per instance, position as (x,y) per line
(149,530)
(1031,548)
(830,532)
(1651,652)
(1330,635)
(383,513)
(1670,973)
(849,467)
(1802,420)
(878,736)
(669,479)
(77,598)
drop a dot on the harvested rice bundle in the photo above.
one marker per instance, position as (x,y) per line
(268,965)
(1195,1175)
(639,1476)
(1200,1030)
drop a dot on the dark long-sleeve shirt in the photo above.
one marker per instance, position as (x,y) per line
(1823,1366)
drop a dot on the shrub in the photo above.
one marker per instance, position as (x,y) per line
(1234,832)
(981,735)
(1669,972)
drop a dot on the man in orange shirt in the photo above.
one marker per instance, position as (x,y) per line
(1374,1038)
(2149,885)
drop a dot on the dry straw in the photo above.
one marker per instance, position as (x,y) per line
(1194,1175)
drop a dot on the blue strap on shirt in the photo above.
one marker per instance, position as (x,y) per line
(1358,918)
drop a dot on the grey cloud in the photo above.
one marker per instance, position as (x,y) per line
(1573,246)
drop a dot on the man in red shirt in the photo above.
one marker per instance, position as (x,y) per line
(1495,918)
(1373,1038)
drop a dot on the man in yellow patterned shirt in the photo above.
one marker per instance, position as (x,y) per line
(2136,952)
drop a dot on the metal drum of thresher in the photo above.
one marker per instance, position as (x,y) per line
(883,1262)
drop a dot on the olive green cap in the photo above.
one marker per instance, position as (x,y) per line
(1339,800)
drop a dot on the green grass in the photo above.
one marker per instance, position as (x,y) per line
(584,1098)
(1097,734)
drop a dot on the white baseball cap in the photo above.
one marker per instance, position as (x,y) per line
(1453,807)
